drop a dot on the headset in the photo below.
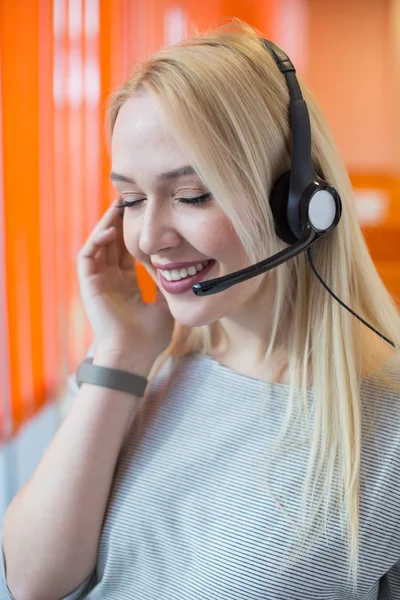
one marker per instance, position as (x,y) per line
(304,206)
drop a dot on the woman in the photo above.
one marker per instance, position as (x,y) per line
(263,461)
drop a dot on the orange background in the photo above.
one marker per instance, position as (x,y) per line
(59,63)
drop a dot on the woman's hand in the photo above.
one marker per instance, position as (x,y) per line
(121,321)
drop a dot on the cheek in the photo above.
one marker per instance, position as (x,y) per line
(222,242)
(213,237)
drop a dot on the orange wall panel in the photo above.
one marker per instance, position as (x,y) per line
(19,33)
(352,71)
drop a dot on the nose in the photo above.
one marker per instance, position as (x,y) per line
(157,229)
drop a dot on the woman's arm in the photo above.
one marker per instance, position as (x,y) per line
(52,527)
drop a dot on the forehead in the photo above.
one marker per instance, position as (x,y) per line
(141,133)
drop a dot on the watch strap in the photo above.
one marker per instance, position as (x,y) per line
(110,378)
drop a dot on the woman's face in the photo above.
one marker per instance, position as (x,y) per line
(160,229)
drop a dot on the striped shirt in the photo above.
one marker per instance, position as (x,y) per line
(190,517)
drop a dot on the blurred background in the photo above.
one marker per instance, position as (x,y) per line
(60,60)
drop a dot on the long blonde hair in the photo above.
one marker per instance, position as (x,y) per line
(226,102)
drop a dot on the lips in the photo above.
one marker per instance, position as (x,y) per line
(184,285)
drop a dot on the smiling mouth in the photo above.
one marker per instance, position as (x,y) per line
(184,273)
(185,283)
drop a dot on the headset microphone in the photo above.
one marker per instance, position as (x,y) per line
(304,206)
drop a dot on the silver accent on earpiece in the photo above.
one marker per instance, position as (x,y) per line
(322,210)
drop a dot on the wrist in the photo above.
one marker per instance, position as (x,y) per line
(122,362)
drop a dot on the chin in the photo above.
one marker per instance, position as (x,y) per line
(192,320)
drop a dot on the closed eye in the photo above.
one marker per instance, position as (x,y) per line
(197,200)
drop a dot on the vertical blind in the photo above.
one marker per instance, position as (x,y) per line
(60,60)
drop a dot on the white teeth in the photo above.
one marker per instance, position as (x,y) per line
(177,274)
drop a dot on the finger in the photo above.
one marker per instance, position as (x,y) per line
(93,247)
(109,218)
(111,250)
(91,255)
(126,260)
(120,238)
(123,258)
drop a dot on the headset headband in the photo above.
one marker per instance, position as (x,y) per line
(302,173)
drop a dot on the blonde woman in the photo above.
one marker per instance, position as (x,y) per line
(241,444)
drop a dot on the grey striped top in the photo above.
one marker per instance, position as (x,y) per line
(189,515)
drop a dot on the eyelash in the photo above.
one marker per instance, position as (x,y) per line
(198,200)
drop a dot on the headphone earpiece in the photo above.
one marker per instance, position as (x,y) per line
(278,200)
(319,203)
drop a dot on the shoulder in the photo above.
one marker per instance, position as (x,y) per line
(380,409)
(376,353)
(381,372)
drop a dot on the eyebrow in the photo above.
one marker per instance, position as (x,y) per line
(181,172)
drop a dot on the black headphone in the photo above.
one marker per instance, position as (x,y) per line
(301,201)
(304,206)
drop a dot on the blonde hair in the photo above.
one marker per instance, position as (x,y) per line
(226,102)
